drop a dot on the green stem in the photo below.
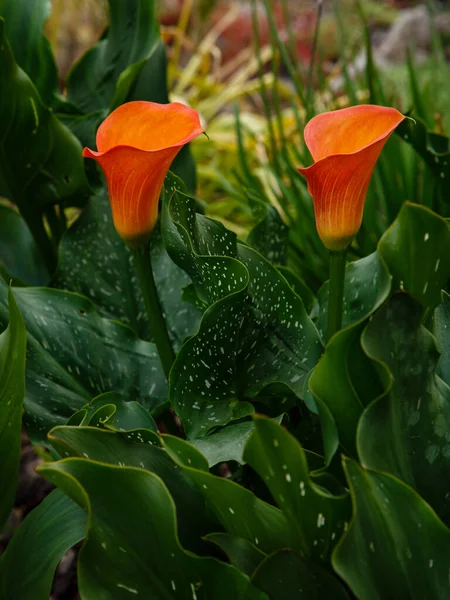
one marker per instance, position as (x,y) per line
(141,253)
(336,292)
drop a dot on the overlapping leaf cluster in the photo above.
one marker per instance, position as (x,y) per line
(299,470)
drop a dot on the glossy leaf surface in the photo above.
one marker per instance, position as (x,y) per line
(367,285)
(255,332)
(108,493)
(142,449)
(24,23)
(47,168)
(106,274)
(28,565)
(316,517)
(13,343)
(74,355)
(416,249)
(395,546)
(406,431)
(19,254)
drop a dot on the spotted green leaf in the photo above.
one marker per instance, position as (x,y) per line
(128,510)
(113,411)
(106,274)
(142,449)
(254,333)
(416,249)
(406,431)
(242,514)
(316,517)
(74,355)
(395,546)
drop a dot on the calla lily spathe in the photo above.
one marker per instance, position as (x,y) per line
(345,145)
(136,145)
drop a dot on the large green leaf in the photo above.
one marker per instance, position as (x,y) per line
(254,333)
(24,21)
(316,517)
(226,444)
(40,160)
(132,546)
(29,562)
(106,274)
(416,249)
(19,255)
(243,514)
(395,546)
(285,575)
(74,355)
(406,431)
(131,37)
(344,379)
(143,449)
(13,344)
(367,285)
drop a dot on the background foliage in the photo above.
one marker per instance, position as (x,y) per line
(269,456)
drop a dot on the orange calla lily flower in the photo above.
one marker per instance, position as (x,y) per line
(345,145)
(136,145)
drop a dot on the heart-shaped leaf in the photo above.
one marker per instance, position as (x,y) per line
(256,330)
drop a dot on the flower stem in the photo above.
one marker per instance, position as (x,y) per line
(336,292)
(142,260)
